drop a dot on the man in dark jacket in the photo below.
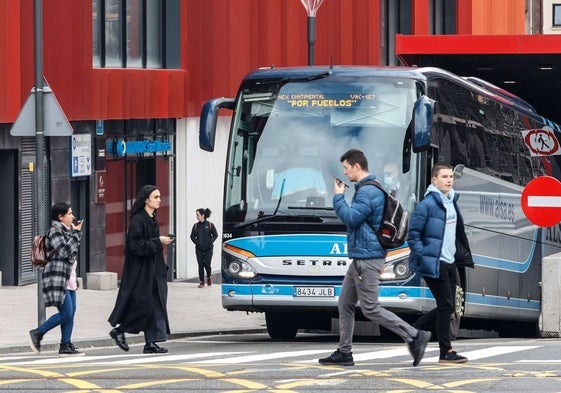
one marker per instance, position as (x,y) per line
(363,276)
(142,298)
(438,245)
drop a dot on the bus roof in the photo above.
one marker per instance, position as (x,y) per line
(286,74)
(307,72)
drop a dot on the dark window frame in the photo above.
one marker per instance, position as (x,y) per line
(556,9)
(169,26)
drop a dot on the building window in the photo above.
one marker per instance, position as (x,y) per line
(134,33)
(556,15)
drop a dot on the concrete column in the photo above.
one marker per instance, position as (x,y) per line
(551,296)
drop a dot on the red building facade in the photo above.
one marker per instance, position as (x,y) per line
(215,42)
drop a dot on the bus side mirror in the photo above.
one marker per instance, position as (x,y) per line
(209,118)
(422,123)
(459,171)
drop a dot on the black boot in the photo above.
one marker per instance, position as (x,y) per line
(35,337)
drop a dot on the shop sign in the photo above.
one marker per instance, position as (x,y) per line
(120,147)
(80,155)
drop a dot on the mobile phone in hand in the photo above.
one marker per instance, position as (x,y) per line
(340,182)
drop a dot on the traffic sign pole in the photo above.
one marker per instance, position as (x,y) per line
(41,202)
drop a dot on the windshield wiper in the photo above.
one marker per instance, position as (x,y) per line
(280,218)
(255,221)
(309,78)
(323,208)
(280,196)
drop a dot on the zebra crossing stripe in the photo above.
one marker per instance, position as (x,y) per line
(232,357)
(489,352)
(266,356)
(175,358)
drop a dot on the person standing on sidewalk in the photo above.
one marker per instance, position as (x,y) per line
(438,245)
(141,303)
(62,244)
(203,235)
(368,257)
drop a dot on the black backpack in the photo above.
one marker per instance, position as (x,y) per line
(395,220)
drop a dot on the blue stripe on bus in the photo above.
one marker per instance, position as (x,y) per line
(501,301)
(501,264)
(302,244)
(280,245)
(385,292)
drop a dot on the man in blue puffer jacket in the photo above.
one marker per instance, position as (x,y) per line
(363,276)
(438,245)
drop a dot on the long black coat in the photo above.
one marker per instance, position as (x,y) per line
(144,269)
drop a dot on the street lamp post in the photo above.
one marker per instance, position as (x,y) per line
(311,7)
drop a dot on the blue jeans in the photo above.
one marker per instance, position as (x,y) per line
(64,318)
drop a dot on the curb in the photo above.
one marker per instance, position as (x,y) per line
(131,339)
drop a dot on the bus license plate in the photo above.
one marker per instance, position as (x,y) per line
(314,291)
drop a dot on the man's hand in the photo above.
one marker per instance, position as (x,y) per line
(338,186)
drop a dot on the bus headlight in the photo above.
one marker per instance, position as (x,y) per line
(234,262)
(239,269)
(397,270)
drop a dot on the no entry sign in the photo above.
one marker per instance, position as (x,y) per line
(541,201)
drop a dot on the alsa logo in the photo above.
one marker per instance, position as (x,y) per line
(338,249)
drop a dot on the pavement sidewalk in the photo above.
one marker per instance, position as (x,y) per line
(191,310)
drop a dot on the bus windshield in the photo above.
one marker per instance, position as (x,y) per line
(287,140)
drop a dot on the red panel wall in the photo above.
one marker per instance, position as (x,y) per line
(221,40)
(10,48)
(227,39)
(84,93)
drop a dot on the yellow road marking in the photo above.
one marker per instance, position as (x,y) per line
(454,384)
(311,382)
(156,383)
(79,383)
(10,381)
(43,373)
(98,371)
(246,383)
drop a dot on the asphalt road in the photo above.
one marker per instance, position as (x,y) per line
(252,362)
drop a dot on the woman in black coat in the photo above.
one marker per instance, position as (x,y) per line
(142,298)
(204,235)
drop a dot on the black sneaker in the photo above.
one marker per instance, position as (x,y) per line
(35,338)
(68,349)
(418,345)
(452,357)
(338,358)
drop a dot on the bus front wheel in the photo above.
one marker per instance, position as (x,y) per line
(280,326)
(459,307)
